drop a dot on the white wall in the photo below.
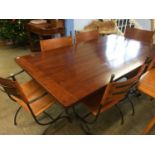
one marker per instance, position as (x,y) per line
(79,24)
(144,23)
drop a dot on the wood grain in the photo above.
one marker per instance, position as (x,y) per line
(72,73)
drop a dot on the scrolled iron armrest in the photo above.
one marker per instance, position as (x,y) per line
(37,98)
(13,76)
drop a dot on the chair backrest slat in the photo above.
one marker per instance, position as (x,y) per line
(86,36)
(138,34)
(116,91)
(51,44)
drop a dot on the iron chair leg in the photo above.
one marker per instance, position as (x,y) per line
(138,94)
(132,105)
(48,115)
(135,92)
(36,120)
(51,122)
(83,119)
(15,117)
(122,116)
(85,129)
(84,123)
(66,116)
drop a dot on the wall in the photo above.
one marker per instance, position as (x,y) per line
(69,25)
(79,24)
(144,23)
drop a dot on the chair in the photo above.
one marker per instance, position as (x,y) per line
(86,36)
(30,96)
(147,86)
(114,93)
(140,35)
(51,44)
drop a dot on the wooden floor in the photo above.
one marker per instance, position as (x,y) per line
(108,123)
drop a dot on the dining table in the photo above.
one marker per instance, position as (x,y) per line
(72,73)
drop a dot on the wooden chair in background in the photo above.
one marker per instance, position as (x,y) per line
(114,93)
(30,96)
(51,44)
(147,86)
(86,36)
(140,35)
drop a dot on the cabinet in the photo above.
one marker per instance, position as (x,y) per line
(44,30)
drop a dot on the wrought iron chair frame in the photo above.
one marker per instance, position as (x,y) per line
(53,120)
(86,128)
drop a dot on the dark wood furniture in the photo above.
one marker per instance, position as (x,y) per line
(73,73)
(86,36)
(44,31)
(30,96)
(55,43)
(139,34)
(147,86)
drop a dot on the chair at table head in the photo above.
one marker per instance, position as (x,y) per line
(55,43)
(139,34)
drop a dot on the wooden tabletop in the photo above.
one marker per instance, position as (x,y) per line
(73,73)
